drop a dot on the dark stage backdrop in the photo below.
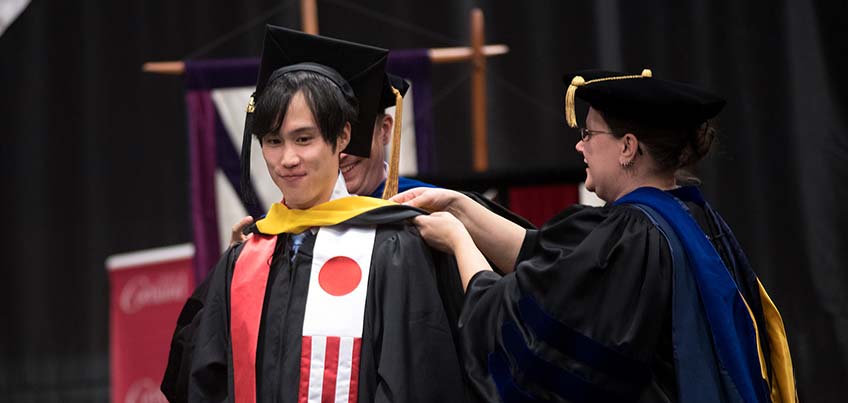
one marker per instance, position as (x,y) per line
(94,153)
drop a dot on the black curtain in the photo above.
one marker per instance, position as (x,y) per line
(94,152)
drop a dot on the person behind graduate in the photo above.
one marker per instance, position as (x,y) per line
(647,299)
(333,297)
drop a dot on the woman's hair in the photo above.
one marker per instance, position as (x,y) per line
(673,149)
(331,109)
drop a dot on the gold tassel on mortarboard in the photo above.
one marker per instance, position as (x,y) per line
(391,187)
(251,106)
(247,195)
(578,81)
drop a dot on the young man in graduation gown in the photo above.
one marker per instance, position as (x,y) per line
(334,298)
(364,176)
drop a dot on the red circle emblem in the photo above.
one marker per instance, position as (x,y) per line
(339,276)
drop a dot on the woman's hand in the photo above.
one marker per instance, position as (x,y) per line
(442,231)
(446,233)
(498,238)
(430,199)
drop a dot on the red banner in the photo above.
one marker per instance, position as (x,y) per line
(147,290)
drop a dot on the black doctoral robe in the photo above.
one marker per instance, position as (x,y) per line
(408,352)
(586,316)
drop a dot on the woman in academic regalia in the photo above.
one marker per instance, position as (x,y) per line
(648,299)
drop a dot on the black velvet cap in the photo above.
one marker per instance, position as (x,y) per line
(358,70)
(388,99)
(641,98)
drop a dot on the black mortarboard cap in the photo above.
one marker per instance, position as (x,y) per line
(641,98)
(388,99)
(358,70)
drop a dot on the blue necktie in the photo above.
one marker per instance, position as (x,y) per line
(297,240)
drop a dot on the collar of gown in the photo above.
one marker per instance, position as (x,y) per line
(340,208)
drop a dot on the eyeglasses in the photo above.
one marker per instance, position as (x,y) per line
(586,133)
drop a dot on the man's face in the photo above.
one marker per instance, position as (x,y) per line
(301,163)
(363,175)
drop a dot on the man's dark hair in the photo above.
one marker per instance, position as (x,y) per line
(328,104)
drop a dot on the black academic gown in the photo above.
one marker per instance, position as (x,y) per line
(586,315)
(583,318)
(408,352)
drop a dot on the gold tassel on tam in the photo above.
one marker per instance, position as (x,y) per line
(570,114)
(578,81)
(391,187)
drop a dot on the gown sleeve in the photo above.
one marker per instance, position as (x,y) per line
(175,381)
(580,318)
(211,372)
(198,367)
